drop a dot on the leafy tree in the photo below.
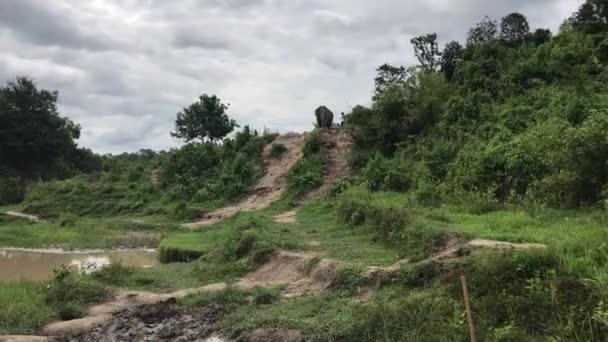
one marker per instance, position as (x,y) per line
(540,36)
(205,119)
(485,31)
(514,27)
(388,74)
(426,50)
(451,56)
(35,141)
(592,16)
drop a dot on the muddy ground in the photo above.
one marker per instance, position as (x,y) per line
(167,321)
(164,321)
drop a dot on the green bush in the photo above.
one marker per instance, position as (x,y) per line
(277,150)
(68,294)
(10,191)
(307,173)
(347,280)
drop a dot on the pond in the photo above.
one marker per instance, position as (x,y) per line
(38,264)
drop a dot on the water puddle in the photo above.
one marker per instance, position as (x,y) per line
(38,264)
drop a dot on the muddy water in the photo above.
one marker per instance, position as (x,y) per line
(38,264)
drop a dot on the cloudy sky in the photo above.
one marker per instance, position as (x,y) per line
(124,68)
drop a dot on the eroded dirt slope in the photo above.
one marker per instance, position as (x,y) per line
(269,188)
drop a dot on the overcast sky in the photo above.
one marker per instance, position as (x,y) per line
(123,69)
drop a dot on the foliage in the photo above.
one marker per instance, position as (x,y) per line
(484,32)
(23,308)
(514,28)
(10,190)
(277,150)
(388,74)
(520,117)
(307,173)
(68,294)
(35,140)
(451,56)
(180,183)
(205,120)
(427,52)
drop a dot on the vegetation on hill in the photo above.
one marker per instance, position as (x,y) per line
(513,116)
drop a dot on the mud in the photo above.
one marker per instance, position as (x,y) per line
(164,321)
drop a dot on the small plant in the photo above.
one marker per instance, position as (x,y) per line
(67,220)
(347,280)
(277,150)
(264,296)
(68,293)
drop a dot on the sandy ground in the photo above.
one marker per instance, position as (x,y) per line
(269,188)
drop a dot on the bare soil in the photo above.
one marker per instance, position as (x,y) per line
(338,145)
(269,188)
(23,215)
(300,273)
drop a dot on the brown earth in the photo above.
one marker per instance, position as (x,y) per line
(301,273)
(269,188)
(338,145)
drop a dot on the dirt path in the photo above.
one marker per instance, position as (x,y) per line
(269,188)
(338,144)
(32,218)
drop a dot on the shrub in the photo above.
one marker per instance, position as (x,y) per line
(67,220)
(265,296)
(347,280)
(67,293)
(10,191)
(307,173)
(277,150)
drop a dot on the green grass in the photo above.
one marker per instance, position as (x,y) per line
(23,307)
(82,233)
(318,223)
(161,278)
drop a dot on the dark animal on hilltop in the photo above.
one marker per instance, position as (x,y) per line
(324,116)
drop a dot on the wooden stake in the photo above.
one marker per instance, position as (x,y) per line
(467,305)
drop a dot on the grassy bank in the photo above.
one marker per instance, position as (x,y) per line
(73,232)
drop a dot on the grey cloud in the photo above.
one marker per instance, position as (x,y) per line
(41,23)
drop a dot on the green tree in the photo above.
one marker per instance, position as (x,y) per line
(426,50)
(484,32)
(514,27)
(388,74)
(592,16)
(451,56)
(205,119)
(35,141)
(540,36)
